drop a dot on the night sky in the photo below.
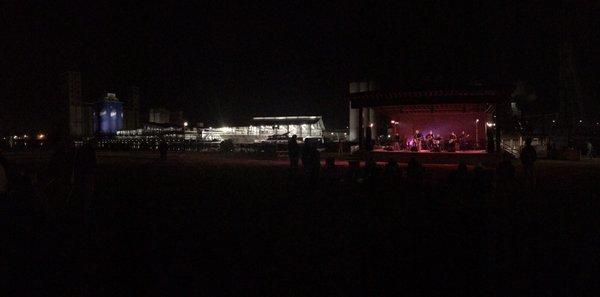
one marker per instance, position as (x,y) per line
(225,62)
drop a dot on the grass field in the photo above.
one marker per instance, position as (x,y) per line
(231,225)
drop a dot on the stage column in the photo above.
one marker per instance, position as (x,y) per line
(361,129)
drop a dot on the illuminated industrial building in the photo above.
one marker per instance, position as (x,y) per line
(262,127)
(77,119)
(107,115)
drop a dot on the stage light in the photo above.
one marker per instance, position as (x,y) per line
(185,124)
(580,121)
(41,136)
(489,124)
(371,125)
(392,121)
(477,121)
(553,121)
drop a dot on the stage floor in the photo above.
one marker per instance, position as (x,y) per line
(471,157)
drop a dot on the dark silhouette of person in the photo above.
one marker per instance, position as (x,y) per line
(59,177)
(462,141)
(162,148)
(4,176)
(452,142)
(316,162)
(311,160)
(479,182)
(391,168)
(84,169)
(391,173)
(551,149)
(462,170)
(414,173)
(505,170)
(370,169)
(397,142)
(491,148)
(293,153)
(368,140)
(528,158)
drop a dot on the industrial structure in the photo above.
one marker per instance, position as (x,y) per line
(107,115)
(261,128)
(78,119)
(76,123)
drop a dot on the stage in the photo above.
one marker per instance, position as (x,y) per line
(471,157)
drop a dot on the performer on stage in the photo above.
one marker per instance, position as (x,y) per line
(397,142)
(418,138)
(437,140)
(429,140)
(452,142)
(463,141)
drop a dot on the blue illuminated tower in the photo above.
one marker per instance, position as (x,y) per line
(107,115)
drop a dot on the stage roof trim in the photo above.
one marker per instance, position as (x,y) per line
(420,97)
(286,120)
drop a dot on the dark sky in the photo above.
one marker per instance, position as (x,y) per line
(226,61)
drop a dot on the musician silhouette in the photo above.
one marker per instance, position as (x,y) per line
(462,141)
(429,140)
(417,140)
(452,143)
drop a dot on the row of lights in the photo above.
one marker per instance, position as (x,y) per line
(40,136)
(580,121)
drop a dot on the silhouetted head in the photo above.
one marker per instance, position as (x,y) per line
(462,167)
(294,137)
(92,143)
(528,141)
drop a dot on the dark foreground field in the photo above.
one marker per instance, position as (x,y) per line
(230,226)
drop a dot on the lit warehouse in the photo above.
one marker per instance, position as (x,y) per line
(261,128)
